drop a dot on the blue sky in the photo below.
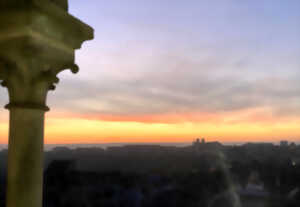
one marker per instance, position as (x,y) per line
(186,55)
(159,57)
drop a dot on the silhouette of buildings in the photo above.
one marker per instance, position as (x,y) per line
(153,175)
(284,143)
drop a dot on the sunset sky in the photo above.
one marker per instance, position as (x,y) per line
(174,70)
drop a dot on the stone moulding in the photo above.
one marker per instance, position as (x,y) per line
(45,21)
(38,39)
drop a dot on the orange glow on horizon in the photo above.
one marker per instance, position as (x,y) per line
(242,126)
(93,131)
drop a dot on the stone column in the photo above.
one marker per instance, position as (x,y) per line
(25,157)
(38,39)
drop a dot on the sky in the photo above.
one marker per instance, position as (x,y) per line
(173,70)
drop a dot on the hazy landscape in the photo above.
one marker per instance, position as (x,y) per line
(152,75)
(200,174)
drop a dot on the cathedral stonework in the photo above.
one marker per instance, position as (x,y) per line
(38,39)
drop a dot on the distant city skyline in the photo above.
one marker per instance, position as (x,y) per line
(172,71)
(49,147)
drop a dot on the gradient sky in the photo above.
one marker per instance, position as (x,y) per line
(173,70)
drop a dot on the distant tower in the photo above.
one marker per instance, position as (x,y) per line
(196,142)
(197,145)
(203,140)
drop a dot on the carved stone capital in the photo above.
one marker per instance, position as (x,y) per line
(29,82)
(38,39)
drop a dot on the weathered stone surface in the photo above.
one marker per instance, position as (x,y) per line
(25,158)
(61,3)
(38,39)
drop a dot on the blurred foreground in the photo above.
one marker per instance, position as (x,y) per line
(200,175)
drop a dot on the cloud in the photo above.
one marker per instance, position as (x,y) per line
(150,62)
(176,86)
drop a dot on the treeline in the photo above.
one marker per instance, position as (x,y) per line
(146,176)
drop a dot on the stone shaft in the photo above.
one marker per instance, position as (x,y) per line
(25,158)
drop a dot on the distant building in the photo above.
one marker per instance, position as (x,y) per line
(197,144)
(293,145)
(284,143)
(141,149)
(254,194)
(197,141)
(206,146)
